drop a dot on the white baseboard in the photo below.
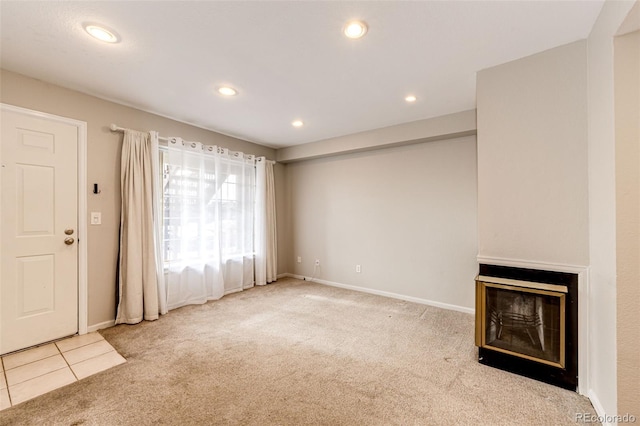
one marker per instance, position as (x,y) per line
(101,325)
(386,294)
(598,407)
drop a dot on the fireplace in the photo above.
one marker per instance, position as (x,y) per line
(526,323)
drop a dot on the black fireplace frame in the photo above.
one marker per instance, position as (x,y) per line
(566,377)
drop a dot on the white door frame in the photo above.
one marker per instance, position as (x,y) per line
(83,317)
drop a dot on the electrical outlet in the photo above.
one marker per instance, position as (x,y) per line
(299,259)
(317,262)
(358,269)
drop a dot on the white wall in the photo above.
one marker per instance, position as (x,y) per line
(602,208)
(532,158)
(406,214)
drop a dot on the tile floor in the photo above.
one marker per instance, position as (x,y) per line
(39,370)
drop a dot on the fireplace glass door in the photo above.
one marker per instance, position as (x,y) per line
(523,321)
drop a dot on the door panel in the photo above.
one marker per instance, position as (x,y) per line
(34,203)
(35,286)
(39,271)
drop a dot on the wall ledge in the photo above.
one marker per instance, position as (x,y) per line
(448,126)
(532,264)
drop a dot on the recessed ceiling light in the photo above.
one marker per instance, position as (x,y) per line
(101,33)
(355,29)
(297,123)
(410,98)
(227,91)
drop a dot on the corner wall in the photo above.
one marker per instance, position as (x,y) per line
(627,128)
(603,388)
(283,219)
(103,167)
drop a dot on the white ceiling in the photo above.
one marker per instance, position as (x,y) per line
(288,60)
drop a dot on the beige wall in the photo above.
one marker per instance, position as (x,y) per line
(603,342)
(532,158)
(103,167)
(283,218)
(627,128)
(406,214)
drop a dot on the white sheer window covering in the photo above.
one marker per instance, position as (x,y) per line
(197,222)
(208,223)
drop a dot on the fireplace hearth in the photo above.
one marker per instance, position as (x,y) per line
(526,323)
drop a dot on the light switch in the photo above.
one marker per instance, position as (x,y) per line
(96,218)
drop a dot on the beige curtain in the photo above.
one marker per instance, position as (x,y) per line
(265,243)
(138,267)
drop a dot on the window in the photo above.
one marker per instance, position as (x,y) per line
(208,206)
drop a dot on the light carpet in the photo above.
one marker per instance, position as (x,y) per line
(301,353)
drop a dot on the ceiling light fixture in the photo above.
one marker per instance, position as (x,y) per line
(297,123)
(355,29)
(410,98)
(227,91)
(101,33)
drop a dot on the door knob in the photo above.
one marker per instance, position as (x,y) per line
(68,241)
(68,231)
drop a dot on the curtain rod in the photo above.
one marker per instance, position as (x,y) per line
(114,128)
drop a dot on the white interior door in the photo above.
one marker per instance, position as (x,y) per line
(38,231)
